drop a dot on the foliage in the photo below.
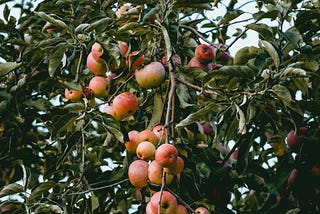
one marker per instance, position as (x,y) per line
(59,156)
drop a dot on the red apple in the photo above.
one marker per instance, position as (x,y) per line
(132,144)
(181,209)
(125,104)
(168,202)
(108,109)
(147,135)
(194,62)
(205,53)
(176,168)
(293,177)
(97,67)
(73,94)
(294,140)
(234,155)
(145,151)
(161,133)
(121,10)
(98,85)
(138,173)
(96,51)
(149,209)
(123,49)
(151,75)
(155,172)
(315,170)
(202,210)
(166,155)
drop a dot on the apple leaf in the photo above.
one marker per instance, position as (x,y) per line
(52,20)
(39,190)
(102,24)
(271,50)
(196,116)
(263,29)
(7,67)
(55,59)
(11,189)
(157,111)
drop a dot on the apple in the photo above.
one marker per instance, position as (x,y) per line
(155,172)
(161,133)
(138,173)
(123,49)
(234,155)
(97,67)
(293,177)
(51,30)
(293,140)
(166,155)
(168,202)
(205,53)
(202,210)
(147,135)
(181,209)
(73,94)
(176,168)
(125,104)
(194,62)
(121,10)
(132,144)
(149,209)
(151,75)
(96,51)
(108,109)
(134,60)
(145,150)
(98,85)
(315,170)
(222,54)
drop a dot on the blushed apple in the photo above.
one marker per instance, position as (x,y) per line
(168,202)
(98,85)
(125,104)
(151,75)
(97,67)
(161,132)
(166,155)
(73,94)
(155,172)
(202,210)
(145,150)
(176,168)
(205,53)
(138,173)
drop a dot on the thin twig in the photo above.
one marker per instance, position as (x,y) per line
(197,33)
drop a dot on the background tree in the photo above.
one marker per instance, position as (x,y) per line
(65,142)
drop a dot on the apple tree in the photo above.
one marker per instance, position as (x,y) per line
(84,82)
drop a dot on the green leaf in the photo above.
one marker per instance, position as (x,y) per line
(242,120)
(293,211)
(271,50)
(184,95)
(94,201)
(231,15)
(283,93)
(264,30)
(6,67)
(52,20)
(102,24)
(116,133)
(42,188)
(55,59)
(196,116)
(6,12)
(244,54)
(157,111)
(11,189)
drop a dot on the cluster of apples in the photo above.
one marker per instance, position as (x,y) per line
(204,56)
